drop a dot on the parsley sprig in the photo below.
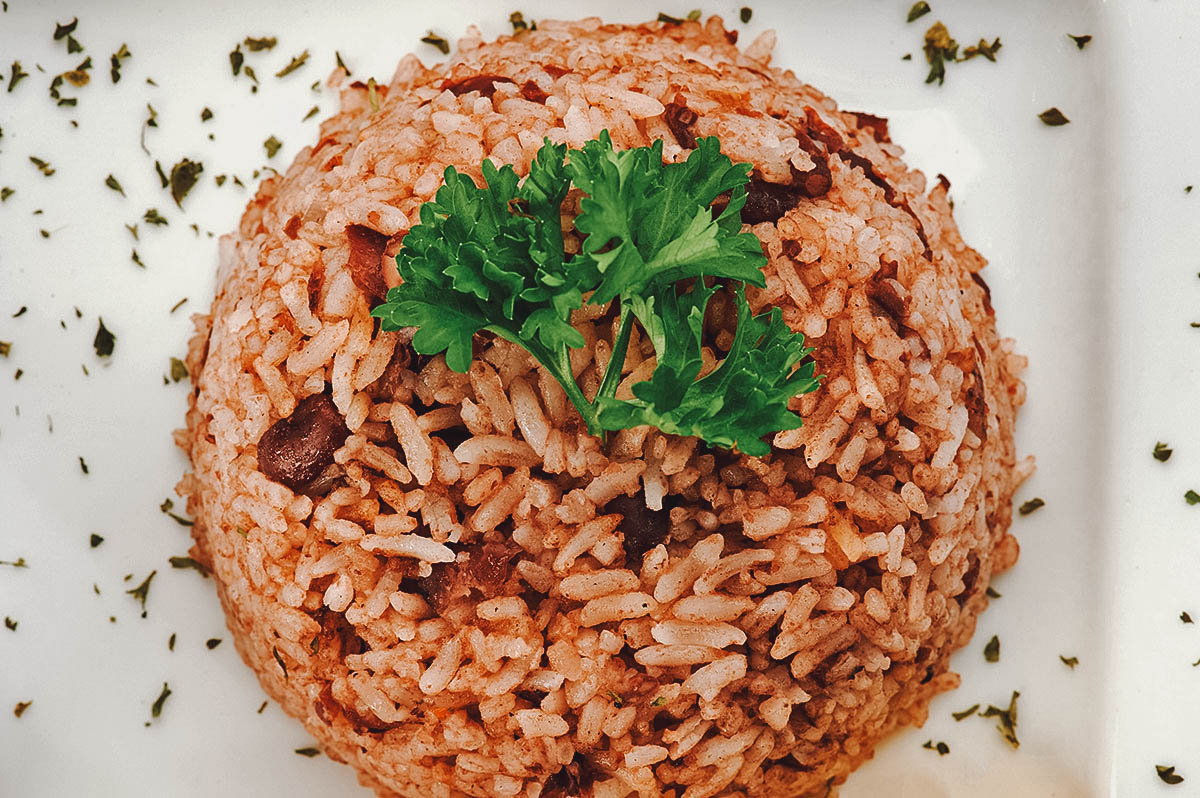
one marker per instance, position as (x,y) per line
(656,243)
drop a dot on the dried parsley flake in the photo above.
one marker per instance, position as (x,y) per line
(114,184)
(940,747)
(10,624)
(104,340)
(16,75)
(1165,772)
(1080,41)
(183,176)
(188,562)
(142,591)
(966,713)
(157,707)
(42,166)
(1031,505)
(917,11)
(1052,117)
(20,708)
(1070,662)
(991,651)
(1185,617)
(745,13)
(441,44)
(308,752)
(1006,720)
(1162,452)
(293,65)
(258,45)
(96,540)
(272,146)
(212,643)
(152,216)
(1191,497)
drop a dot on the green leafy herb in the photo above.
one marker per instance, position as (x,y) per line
(45,233)
(311,113)
(279,659)
(1187,189)
(984,49)
(434,40)
(966,713)
(62,29)
(1080,41)
(20,708)
(96,540)
(6,192)
(293,65)
(104,340)
(745,13)
(1053,117)
(151,121)
(992,593)
(1006,720)
(308,752)
(1166,773)
(179,370)
(236,59)
(258,45)
(10,624)
(939,48)
(491,259)
(16,76)
(114,63)
(940,747)
(1185,617)
(212,643)
(1070,662)
(152,216)
(991,652)
(1191,497)
(1031,505)
(114,184)
(188,562)
(917,11)
(693,15)
(167,506)
(272,146)
(171,642)
(183,176)
(142,591)
(658,702)
(1162,452)
(157,707)
(43,166)
(136,258)
(517,19)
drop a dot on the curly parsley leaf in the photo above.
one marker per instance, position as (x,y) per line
(658,243)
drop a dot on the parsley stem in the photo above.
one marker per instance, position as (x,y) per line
(616,361)
(559,365)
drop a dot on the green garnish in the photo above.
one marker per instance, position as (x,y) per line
(309,752)
(114,184)
(1080,41)
(1191,497)
(314,645)
(188,562)
(372,95)
(1052,117)
(104,340)
(171,642)
(338,59)
(1162,452)
(668,19)
(114,63)
(433,39)
(984,49)
(1186,617)
(258,45)
(272,146)
(991,652)
(1166,773)
(966,713)
(1070,662)
(20,708)
(17,75)
(939,48)
(212,643)
(311,113)
(133,256)
(96,540)
(5,348)
(917,11)
(296,62)
(6,192)
(693,15)
(10,624)
(179,370)
(17,563)
(1031,505)
(1006,720)
(279,659)
(62,29)
(491,259)
(83,466)
(142,591)
(183,176)
(43,166)
(152,216)
(177,305)
(745,14)
(157,707)
(236,59)
(992,592)
(940,747)
(517,19)
(166,508)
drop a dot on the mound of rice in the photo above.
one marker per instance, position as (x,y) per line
(460,592)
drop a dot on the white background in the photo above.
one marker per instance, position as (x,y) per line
(1093,269)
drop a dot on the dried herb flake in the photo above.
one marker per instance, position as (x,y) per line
(167,506)
(43,166)
(272,146)
(212,643)
(991,651)
(993,593)
(1185,617)
(62,29)
(6,192)
(206,114)
(10,624)
(183,176)
(157,707)
(279,659)
(114,184)
(20,708)
(308,752)
(1191,497)
(1053,117)
(258,45)
(939,48)
(517,20)
(434,40)
(104,340)
(1080,41)
(984,49)
(142,591)
(311,113)
(236,59)
(16,76)
(745,14)
(1070,662)
(917,11)
(1006,720)
(96,540)
(293,65)
(152,216)
(966,713)
(1165,772)
(1162,452)
(114,63)
(940,747)
(1031,505)
(179,370)
(188,562)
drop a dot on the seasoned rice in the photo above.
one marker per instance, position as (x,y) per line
(461,593)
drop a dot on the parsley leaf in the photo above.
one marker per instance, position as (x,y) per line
(657,246)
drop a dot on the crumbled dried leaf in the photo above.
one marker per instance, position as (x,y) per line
(183,176)
(917,11)
(272,146)
(104,340)
(258,45)
(1053,117)
(114,184)
(434,40)
(296,62)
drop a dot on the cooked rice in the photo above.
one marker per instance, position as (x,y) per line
(461,598)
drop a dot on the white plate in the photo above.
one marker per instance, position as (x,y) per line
(1092,270)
